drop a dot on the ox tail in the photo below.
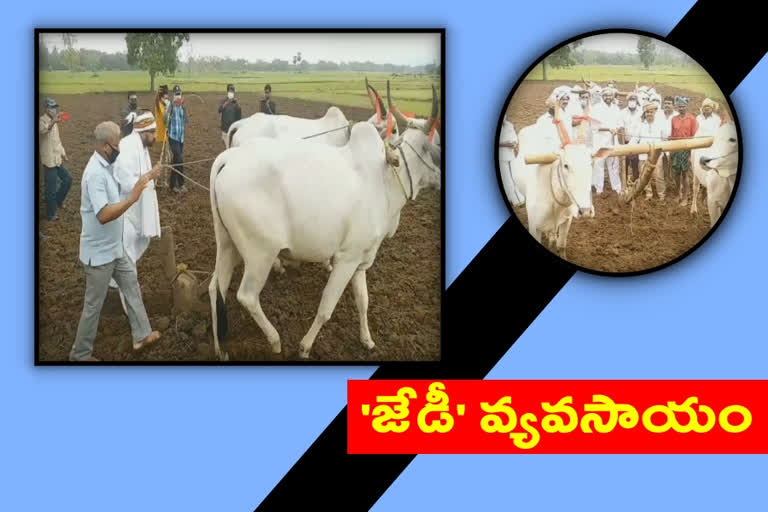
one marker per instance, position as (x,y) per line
(222,238)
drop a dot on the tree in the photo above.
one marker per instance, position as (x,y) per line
(646,48)
(563,57)
(43,57)
(155,52)
(71,56)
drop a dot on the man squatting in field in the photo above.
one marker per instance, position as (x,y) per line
(52,155)
(101,245)
(230,112)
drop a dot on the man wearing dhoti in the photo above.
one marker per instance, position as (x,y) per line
(142,219)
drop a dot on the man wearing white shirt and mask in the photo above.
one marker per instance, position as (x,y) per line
(607,115)
(630,123)
(652,132)
(142,219)
(508,150)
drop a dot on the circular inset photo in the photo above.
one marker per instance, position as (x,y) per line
(618,152)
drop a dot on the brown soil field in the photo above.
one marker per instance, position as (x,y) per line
(404,284)
(621,237)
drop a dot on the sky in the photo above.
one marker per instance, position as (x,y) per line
(400,49)
(625,43)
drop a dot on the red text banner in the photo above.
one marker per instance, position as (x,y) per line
(557,416)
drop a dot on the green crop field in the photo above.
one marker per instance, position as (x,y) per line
(410,93)
(692,78)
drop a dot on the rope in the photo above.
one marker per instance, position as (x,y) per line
(328,131)
(185,176)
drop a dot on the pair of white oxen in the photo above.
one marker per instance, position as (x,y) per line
(305,190)
(560,189)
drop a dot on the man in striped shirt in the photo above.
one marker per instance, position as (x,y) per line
(176,120)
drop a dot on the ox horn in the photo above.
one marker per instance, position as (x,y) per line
(433,114)
(378,99)
(398,115)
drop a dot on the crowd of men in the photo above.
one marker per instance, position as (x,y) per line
(118,199)
(639,116)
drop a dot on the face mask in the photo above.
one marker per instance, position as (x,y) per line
(583,103)
(632,104)
(53,111)
(111,159)
(166,101)
(230,95)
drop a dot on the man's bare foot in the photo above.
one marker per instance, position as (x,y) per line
(152,338)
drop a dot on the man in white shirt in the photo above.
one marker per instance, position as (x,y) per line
(708,121)
(604,132)
(630,123)
(665,116)
(508,150)
(652,132)
(545,124)
(142,219)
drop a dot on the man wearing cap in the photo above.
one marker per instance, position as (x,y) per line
(552,133)
(708,121)
(684,126)
(142,220)
(128,114)
(652,132)
(230,111)
(267,105)
(607,116)
(52,155)
(101,245)
(176,119)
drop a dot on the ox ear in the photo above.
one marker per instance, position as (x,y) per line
(601,153)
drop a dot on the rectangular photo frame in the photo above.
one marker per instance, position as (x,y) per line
(328,222)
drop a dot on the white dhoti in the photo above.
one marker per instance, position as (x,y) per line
(141,222)
(598,175)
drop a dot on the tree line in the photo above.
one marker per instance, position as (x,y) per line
(95,61)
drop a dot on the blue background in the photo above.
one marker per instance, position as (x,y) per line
(197,438)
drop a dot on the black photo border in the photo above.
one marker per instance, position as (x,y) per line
(38,31)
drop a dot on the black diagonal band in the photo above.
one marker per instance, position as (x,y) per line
(479,329)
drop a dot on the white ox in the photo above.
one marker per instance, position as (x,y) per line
(323,130)
(715,168)
(556,192)
(311,202)
(332,129)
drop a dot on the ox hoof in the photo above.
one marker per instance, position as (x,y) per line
(223,356)
(304,351)
(368,343)
(275,346)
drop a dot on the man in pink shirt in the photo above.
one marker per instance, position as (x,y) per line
(683,127)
